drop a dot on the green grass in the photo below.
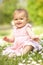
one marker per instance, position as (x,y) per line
(5,32)
(32,58)
(38,30)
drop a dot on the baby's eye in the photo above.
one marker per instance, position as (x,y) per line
(15,19)
(21,18)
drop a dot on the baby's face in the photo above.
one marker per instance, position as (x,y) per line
(20,19)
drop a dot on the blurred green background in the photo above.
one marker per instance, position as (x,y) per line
(34,8)
(35,12)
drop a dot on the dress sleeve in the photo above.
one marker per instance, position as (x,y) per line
(30,31)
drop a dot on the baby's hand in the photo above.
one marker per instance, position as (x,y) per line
(36,39)
(8,40)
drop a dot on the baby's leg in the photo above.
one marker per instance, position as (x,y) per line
(26,49)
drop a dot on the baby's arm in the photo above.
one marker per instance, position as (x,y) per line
(32,35)
(10,38)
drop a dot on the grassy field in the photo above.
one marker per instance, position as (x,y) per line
(32,58)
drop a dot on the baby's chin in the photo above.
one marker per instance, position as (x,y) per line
(20,26)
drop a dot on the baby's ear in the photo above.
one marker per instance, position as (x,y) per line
(12,22)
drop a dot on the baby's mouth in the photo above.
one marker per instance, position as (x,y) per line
(18,23)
